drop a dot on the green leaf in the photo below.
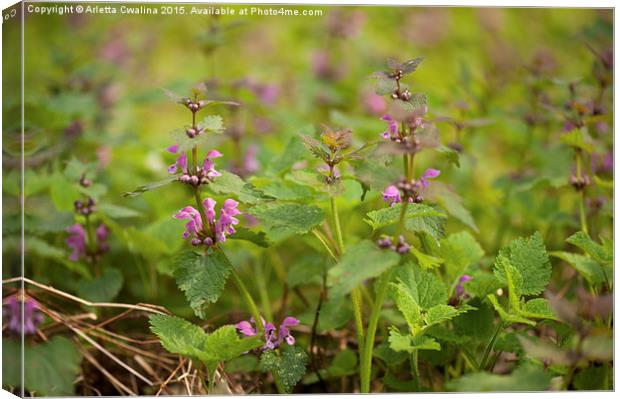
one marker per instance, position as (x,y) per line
(288,367)
(449,155)
(391,215)
(453,204)
(425,287)
(578,138)
(289,191)
(538,308)
(529,257)
(585,265)
(524,378)
(63,192)
(408,343)
(407,306)
(202,278)
(178,335)
(292,153)
(482,284)
(117,212)
(103,288)
(596,251)
(459,251)
(288,218)
(317,148)
(231,184)
(148,187)
(343,364)
(441,313)
(256,237)
(426,261)
(182,337)
(505,316)
(360,262)
(212,123)
(50,367)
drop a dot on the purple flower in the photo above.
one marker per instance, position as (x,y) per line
(76,241)
(13,312)
(181,161)
(429,173)
(208,165)
(215,230)
(274,337)
(102,236)
(391,133)
(392,195)
(460,290)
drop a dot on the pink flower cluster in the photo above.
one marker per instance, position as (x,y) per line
(215,229)
(273,337)
(13,313)
(206,172)
(411,190)
(77,241)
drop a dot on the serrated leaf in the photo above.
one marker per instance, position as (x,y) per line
(415,102)
(63,192)
(459,251)
(424,286)
(360,262)
(482,284)
(441,313)
(408,343)
(317,148)
(538,308)
(529,257)
(286,190)
(231,184)
(596,251)
(407,306)
(424,260)
(289,218)
(524,378)
(202,278)
(148,187)
(103,288)
(182,337)
(586,266)
(505,316)
(256,237)
(212,123)
(384,85)
(178,335)
(288,367)
(387,216)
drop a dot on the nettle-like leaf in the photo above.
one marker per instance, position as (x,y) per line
(585,265)
(601,254)
(449,154)
(415,102)
(212,123)
(360,262)
(255,237)
(459,251)
(408,343)
(149,187)
(184,338)
(388,216)
(426,289)
(50,368)
(519,310)
(288,218)
(317,148)
(529,257)
(202,278)
(288,365)
(424,260)
(578,139)
(103,288)
(233,185)
(527,377)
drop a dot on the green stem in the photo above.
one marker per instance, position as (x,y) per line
(356,299)
(323,241)
(366,362)
(205,222)
(337,225)
(248,300)
(415,373)
(582,199)
(487,350)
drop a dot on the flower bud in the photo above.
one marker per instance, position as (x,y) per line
(194,180)
(196,242)
(208,241)
(184,178)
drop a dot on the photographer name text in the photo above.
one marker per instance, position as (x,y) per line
(169,10)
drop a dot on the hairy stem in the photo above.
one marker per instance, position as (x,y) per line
(337,225)
(369,340)
(415,373)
